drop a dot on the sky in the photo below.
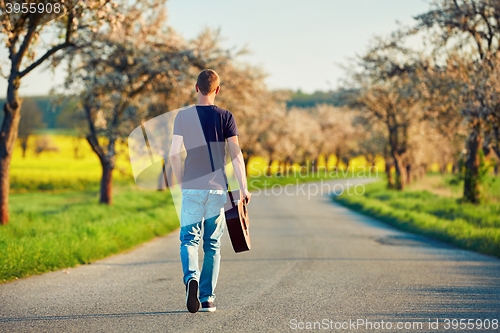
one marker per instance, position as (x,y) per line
(299,44)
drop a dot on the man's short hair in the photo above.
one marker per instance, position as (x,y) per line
(208,81)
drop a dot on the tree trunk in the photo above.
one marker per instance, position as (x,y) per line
(417,173)
(281,169)
(314,165)
(472,190)
(370,160)
(442,168)
(409,174)
(400,172)
(346,161)
(423,171)
(106,183)
(4,189)
(246,161)
(76,148)
(107,164)
(268,170)
(496,146)
(288,166)
(8,136)
(165,175)
(388,172)
(24,145)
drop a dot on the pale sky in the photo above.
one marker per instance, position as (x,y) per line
(298,43)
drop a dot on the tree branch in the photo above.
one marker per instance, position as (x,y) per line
(490,30)
(18,56)
(44,57)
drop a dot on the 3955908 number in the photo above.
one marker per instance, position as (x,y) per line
(33,8)
(471,324)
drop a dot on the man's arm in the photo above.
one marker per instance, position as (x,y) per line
(175,157)
(238,166)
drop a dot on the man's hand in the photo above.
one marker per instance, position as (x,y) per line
(246,195)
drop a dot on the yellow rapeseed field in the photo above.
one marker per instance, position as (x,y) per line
(70,163)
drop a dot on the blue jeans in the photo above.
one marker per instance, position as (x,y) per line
(202,209)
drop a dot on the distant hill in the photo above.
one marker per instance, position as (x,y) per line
(49,110)
(335,98)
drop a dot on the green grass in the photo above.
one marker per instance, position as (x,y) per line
(263,182)
(49,232)
(473,227)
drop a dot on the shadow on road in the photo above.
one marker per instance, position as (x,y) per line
(92,316)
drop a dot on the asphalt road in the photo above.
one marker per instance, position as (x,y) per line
(313,264)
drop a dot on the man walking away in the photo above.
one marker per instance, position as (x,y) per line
(204,131)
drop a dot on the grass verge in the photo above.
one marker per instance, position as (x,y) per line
(445,218)
(59,230)
(262,182)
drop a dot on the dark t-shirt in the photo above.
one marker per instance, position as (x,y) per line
(204,130)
